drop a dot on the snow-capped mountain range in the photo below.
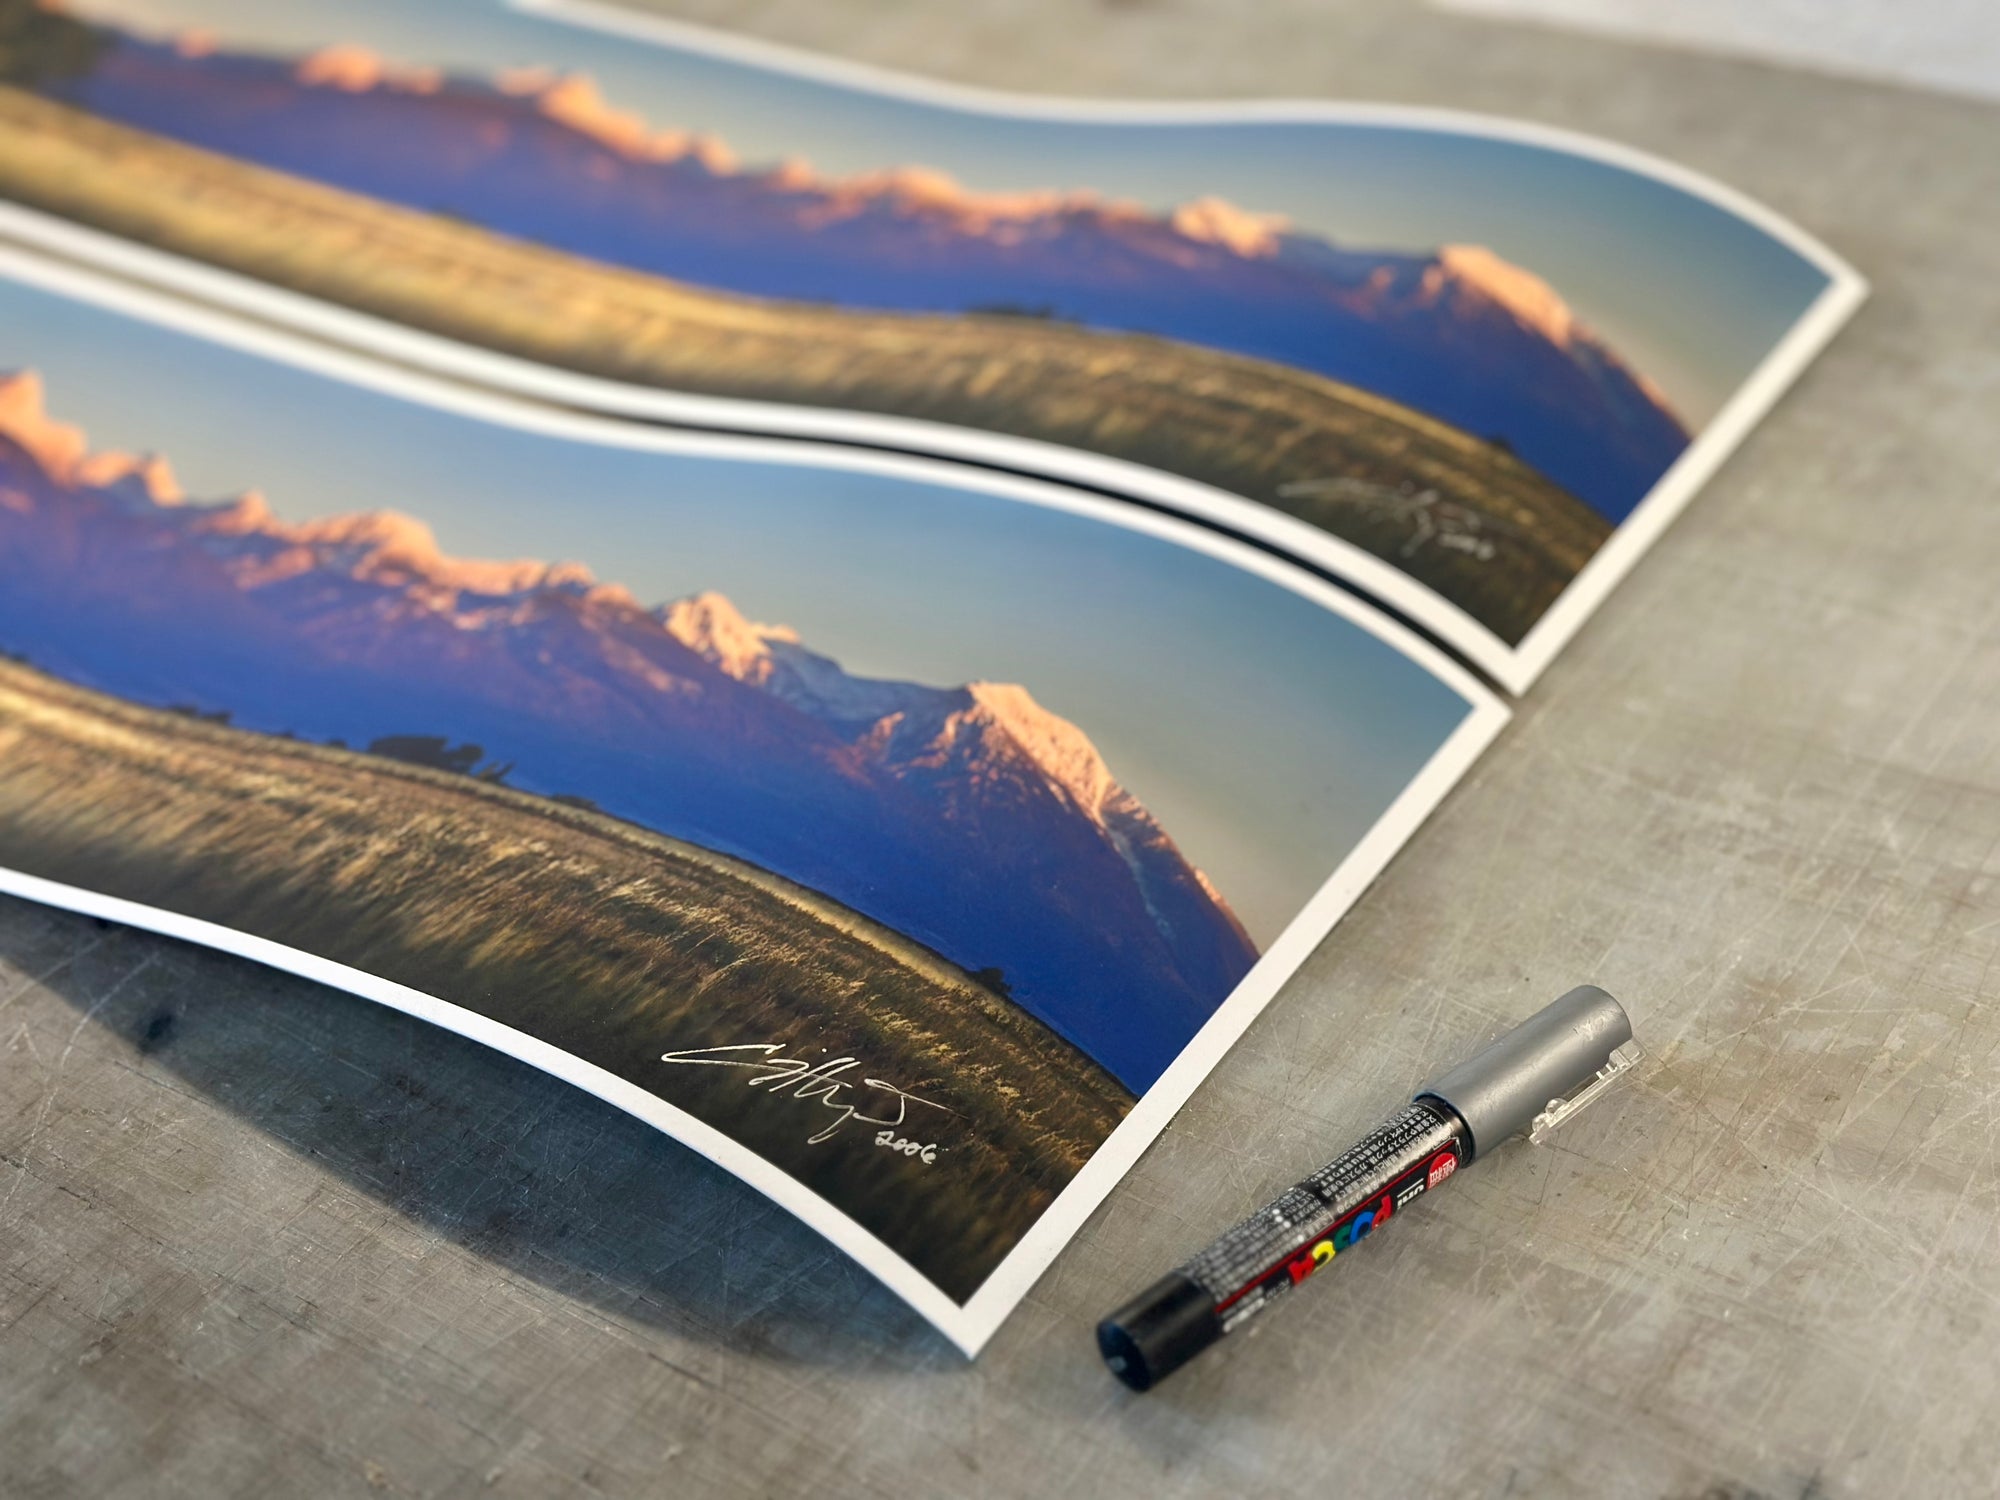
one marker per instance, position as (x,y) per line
(1459,333)
(970,818)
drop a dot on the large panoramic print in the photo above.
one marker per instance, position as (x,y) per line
(1467,366)
(908,840)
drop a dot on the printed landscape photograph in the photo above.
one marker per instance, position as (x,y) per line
(1454,359)
(902,828)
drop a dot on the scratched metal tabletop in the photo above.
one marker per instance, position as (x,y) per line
(261,1239)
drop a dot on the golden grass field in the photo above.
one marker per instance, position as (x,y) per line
(1456,513)
(610,942)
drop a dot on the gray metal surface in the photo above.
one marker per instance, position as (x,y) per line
(261,1239)
(1943,44)
(1550,1056)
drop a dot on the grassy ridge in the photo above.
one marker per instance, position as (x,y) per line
(1456,513)
(609,942)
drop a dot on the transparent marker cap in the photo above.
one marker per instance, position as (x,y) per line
(1542,1072)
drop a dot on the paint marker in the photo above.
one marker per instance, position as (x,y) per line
(1528,1082)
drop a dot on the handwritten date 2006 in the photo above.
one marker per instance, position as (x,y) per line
(828,1083)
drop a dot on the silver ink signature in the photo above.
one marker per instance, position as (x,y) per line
(1430,517)
(823,1082)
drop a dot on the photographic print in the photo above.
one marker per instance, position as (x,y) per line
(909,840)
(1468,366)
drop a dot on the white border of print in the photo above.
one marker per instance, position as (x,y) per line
(1515,668)
(970,1325)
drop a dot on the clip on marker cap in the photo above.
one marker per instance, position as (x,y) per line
(1542,1072)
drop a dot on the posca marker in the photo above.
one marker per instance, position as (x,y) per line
(1528,1082)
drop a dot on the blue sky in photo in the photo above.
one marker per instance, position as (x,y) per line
(1267,733)
(1692,296)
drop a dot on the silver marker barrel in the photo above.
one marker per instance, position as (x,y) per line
(1527,1082)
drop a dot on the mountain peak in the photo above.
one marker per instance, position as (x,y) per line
(1531,300)
(24,418)
(388,545)
(385,534)
(354,69)
(150,475)
(920,189)
(574,100)
(23,396)
(710,625)
(63,451)
(248,513)
(1063,751)
(1217,221)
(793,174)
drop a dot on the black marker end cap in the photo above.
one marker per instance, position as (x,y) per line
(1158,1331)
